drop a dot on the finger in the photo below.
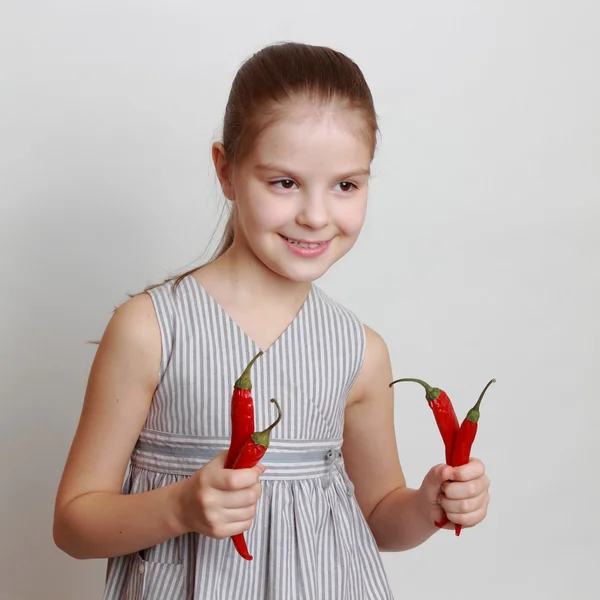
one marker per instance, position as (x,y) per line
(464,506)
(237,515)
(238,527)
(242,498)
(468,519)
(226,530)
(458,490)
(443,473)
(473,469)
(236,479)
(436,477)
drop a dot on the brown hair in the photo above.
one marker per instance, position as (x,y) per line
(269,79)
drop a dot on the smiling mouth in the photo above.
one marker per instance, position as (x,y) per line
(303,243)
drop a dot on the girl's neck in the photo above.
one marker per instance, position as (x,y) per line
(262,303)
(239,275)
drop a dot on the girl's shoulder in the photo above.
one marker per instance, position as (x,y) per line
(335,316)
(167,289)
(374,366)
(335,306)
(369,333)
(169,296)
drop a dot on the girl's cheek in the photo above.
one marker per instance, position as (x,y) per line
(268,216)
(353,221)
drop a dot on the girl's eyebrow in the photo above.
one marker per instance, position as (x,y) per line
(353,172)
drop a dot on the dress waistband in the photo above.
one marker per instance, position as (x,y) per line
(182,454)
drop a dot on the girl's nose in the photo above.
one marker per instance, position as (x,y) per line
(313,212)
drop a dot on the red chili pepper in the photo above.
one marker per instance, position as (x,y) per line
(446,420)
(242,413)
(252,451)
(464,441)
(256,445)
(444,414)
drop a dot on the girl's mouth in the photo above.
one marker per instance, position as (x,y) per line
(306,248)
(304,243)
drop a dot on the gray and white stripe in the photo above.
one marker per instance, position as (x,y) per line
(309,538)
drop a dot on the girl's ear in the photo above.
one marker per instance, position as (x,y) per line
(223,170)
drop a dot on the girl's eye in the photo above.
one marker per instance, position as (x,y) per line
(286,184)
(347,186)
(289,184)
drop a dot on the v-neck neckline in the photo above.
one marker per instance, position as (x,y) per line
(237,326)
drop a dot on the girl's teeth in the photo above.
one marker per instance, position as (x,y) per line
(304,244)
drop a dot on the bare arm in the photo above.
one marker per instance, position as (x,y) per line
(91,518)
(394,512)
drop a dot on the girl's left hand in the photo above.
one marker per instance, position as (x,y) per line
(461,493)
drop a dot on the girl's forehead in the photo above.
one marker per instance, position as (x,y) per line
(305,132)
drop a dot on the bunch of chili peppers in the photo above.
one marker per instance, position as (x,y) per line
(247,446)
(457,440)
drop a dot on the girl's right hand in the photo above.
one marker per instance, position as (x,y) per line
(219,502)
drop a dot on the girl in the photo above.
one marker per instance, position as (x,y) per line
(299,137)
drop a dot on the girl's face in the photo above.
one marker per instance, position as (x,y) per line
(302,193)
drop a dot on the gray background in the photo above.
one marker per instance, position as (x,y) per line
(479,258)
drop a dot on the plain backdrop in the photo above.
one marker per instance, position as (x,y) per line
(479,257)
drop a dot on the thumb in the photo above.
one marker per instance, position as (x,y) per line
(432,483)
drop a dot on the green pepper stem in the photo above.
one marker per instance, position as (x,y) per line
(474,412)
(244,382)
(261,438)
(431,393)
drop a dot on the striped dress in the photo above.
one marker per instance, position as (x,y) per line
(309,538)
